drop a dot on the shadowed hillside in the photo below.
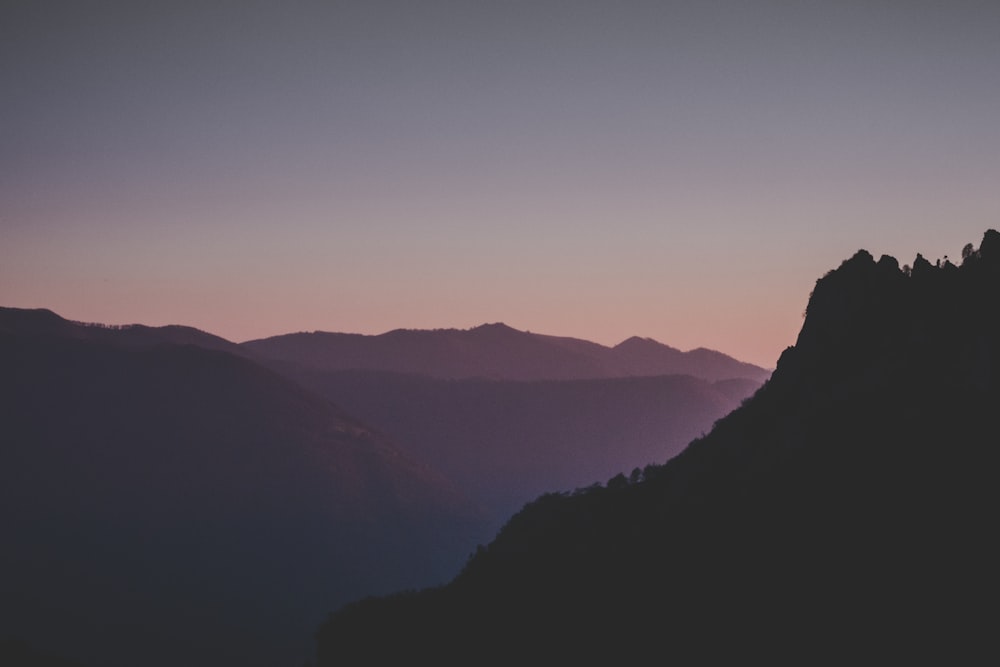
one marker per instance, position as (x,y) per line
(44,323)
(494,351)
(505,442)
(844,513)
(167,504)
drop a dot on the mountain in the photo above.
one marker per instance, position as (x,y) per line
(505,442)
(645,356)
(509,414)
(494,351)
(45,323)
(167,504)
(843,514)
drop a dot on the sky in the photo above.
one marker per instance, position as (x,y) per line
(684,171)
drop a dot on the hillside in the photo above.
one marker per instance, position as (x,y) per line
(496,352)
(167,504)
(842,514)
(41,322)
(506,442)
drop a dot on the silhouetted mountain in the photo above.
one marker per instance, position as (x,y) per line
(44,323)
(167,504)
(494,351)
(505,442)
(845,513)
(645,356)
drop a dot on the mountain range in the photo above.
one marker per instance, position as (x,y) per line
(170,497)
(509,414)
(843,514)
(498,352)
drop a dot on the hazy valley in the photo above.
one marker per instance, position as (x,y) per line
(162,487)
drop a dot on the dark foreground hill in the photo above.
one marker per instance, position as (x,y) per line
(506,442)
(166,504)
(844,514)
(497,352)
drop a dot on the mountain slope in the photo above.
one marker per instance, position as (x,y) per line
(505,442)
(43,322)
(167,504)
(844,513)
(493,351)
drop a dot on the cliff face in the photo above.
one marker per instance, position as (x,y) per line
(845,510)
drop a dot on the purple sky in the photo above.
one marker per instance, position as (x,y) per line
(684,171)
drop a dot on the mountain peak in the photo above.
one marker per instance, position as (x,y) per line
(496,327)
(637,341)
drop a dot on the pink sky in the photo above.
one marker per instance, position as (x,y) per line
(679,171)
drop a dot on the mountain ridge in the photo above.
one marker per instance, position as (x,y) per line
(539,357)
(842,511)
(112,386)
(495,351)
(42,321)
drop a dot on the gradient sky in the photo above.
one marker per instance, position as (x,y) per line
(678,170)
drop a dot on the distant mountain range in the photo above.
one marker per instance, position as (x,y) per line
(845,513)
(509,414)
(170,497)
(497,352)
